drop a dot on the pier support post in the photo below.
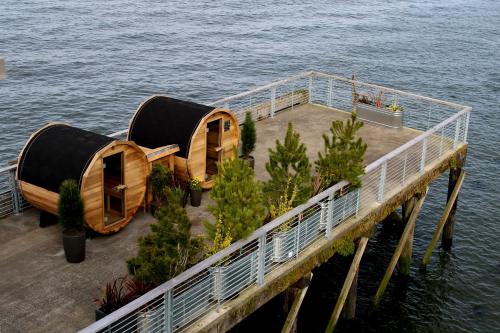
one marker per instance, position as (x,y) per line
(441,227)
(349,311)
(449,226)
(399,249)
(407,252)
(290,325)
(348,286)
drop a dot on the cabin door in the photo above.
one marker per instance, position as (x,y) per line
(114,189)
(214,148)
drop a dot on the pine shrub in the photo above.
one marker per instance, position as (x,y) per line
(238,200)
(343,154)
(290,170)
(169,248)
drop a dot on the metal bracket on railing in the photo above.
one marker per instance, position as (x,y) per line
(297,237)
(261,260)
(273,101)
(381,187)
(423,157)
(329,216)
(16,196)
(167,303)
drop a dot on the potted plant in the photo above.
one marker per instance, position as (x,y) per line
(71,217)
(375,108)
(195,191)
(284,238)
(248,139)
(158,180)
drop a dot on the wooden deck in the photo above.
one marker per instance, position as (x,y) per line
(40,292)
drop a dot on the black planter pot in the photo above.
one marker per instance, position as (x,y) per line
(195,198)
(250,160)
(74,245)
(127,324)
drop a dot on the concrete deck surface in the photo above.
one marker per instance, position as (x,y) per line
(41,292)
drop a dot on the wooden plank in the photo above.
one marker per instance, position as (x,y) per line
(440,226)
(397,253)
(347,285)
(294,311)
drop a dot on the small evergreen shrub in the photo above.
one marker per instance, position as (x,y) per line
(70,206)
(238,200)
(343,154)
(248,136)
(290,170)
(159,179)
(169,248)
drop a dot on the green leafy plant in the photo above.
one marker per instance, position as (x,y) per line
(159,179)
(70,206)
(343,154)
(169,248)
(195,184)
(238,200)
(289,168)
(221,239)
(285,204)
(248,136)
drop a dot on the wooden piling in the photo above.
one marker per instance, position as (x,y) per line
(348,283)
(349,311)
(290,325)
(406,255)
(452,201)
(449,226)
(399,249)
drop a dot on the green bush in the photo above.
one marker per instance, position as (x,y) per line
(238,198)
(70,206)
(169,248)
(290,170)
(248,136)
(343,154)
(159,179)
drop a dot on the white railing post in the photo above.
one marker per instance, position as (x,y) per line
(457,133)
(404,167)
(441,140)
(323,215)
(381,185)
(423,156)
(273,101)
(329,99)
(310,89)
(261,257)
(329,216)
(16,204)
(167,306)
(466,130)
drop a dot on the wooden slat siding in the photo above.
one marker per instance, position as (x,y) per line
(196,161)
(40,197)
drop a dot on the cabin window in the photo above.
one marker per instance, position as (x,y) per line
(227,125)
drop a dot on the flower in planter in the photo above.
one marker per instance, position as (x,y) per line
(221,239)
(195,184)
(285,204)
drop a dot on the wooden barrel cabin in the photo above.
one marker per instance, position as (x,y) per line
(204,134)
(111,174)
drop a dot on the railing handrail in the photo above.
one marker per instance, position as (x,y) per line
(415,140)
(211,261)
(387,89)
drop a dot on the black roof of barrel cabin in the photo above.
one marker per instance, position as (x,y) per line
(59,152)
(162,121)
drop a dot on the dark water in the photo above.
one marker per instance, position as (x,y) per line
(91,62)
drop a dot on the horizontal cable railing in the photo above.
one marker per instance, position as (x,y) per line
(176,304)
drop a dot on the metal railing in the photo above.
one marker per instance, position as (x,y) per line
(176,304)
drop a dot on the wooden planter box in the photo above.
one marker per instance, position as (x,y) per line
(381,116)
